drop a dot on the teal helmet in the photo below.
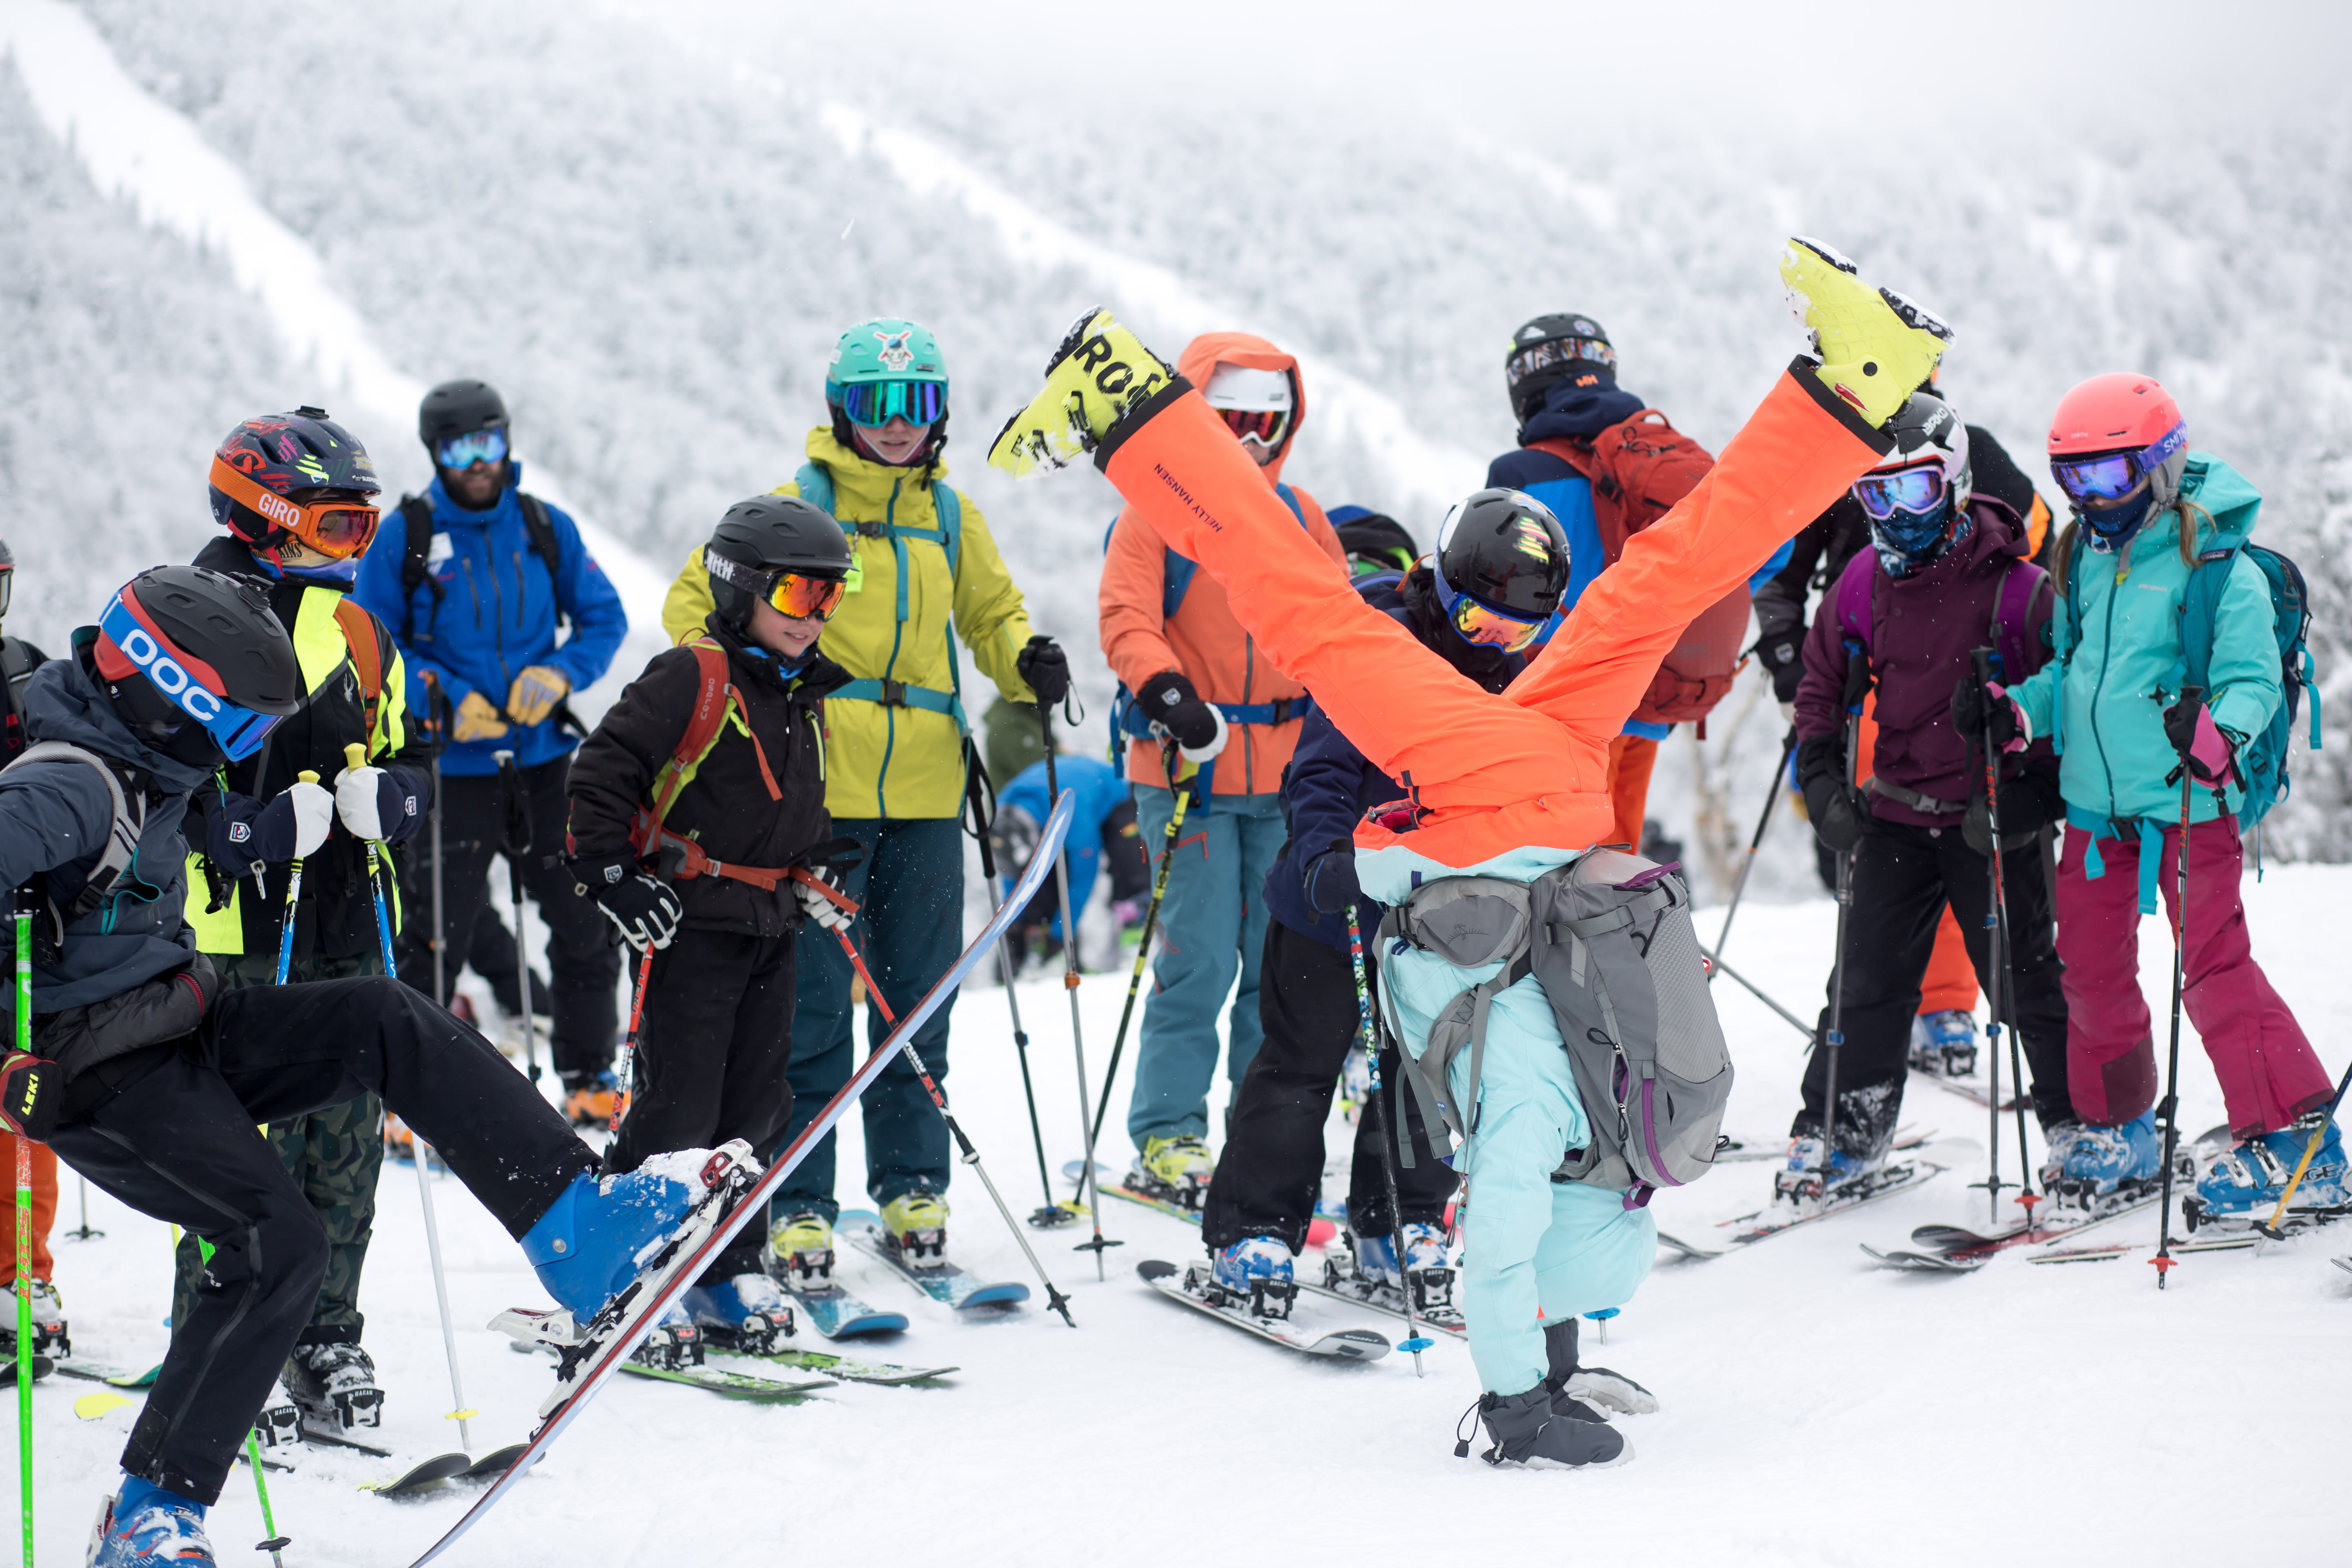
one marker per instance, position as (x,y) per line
(888,368)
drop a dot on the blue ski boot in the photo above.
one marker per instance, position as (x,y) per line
(1945,1044)
(1425,1259)
(748,1313)
(1258,1269)
(143,1526)
(2251,1175)
(2105,1158)
(601,1235)
(1799,1181)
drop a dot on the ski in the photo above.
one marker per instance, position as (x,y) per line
(1193,1287)
(639,1306)
(334,1441)
(1116,1186)
(441,1467)
(734,1385)
(2298,1219)
(1748,1229)
(2345,1263)
(1388,1298)
(1969,1090)
(1953,1249)
(99,1372)
(842,1367)
(943,1281)
(838,1315)
(42,1367)
(1730,1151)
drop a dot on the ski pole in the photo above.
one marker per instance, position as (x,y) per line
(1811,1031)
(1150,924)
(1739,886)
(437,714)
(2164,1260)
(1392,1136)
(645,978)
(2318,1135)
(514,843)
(1858,683)
(1054,1301)
(354,757)
(293,891)
(82,1232)
(23,1368)
(277,1543)
(1996,980)
(1053,1213)
(1092,1185)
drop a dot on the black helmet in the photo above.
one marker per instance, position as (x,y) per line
(8,575)
(1502,566)
(458,408)
(1374,540)
(760,538)
(178,643)
(1551,349)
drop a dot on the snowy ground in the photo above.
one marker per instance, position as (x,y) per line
(1816,1410)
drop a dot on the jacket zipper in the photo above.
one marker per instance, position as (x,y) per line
(473,591)
(2099,687)
(890,669)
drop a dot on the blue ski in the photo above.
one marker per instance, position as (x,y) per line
(956,1287)
(838,1315)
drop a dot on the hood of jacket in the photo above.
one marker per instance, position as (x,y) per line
(1204,353)
(1573,411)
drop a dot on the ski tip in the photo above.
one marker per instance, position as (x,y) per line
(1152,1268)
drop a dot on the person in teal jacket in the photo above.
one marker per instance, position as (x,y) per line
(2147,511)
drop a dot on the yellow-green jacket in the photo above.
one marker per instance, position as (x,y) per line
(893,758)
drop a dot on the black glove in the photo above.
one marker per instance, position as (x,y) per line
(1829,804)
(1974,703)
(32,1092)
(643,908)
(1779,642)
(2028,803)
(2208,752)
(1046,668)
(1331,885)
(1169,701)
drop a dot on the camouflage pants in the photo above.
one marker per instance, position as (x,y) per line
(333,1156)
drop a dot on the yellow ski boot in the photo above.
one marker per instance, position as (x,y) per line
(1176,1169)
(801,1247)
(916,1221)
(1876,347)
(1100,376)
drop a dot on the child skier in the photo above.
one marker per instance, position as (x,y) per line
(1946,573)
(711,770)
(148,1079)
(2140,611)
(1510,786)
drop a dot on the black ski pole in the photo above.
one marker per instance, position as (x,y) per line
(1771,799)
(1090,1185)
(1996,922)
(1393,1134)
(1053,1214)
(1858,683)
(1150,924)
(2003,965)
(514,843)
(2191,696)
(436,722)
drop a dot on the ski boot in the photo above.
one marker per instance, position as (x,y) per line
(1525,1429)
(1571,1383)
(589,1101)
(1098,376)
(1425,1259)
(799,1255)
(2105,1160)
(280,1425)
(1875,345)
(2060,1138)
(1355,1084)
(747,1314)
(335,1387)
(1175,1169)
(143,1526)
(2253,1173)
(1799,1181)
(51,1337)
(1944,1045)
(674,1344)
(915,1228)
(1254,1272)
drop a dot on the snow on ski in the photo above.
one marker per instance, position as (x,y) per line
(603,1358)
(1190,1285)
(1776,1219)
(843,1368)
(734,1385)
(947,1283)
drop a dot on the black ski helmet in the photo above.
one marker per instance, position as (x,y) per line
(178,643)
(1551,349)
(1374,540)
(1504,549)
(765,535)
(8,575)
(458,408)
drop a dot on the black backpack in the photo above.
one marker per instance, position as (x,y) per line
(417,571)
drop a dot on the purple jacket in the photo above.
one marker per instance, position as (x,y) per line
(1918,632)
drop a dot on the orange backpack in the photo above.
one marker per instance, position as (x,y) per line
(1639,467)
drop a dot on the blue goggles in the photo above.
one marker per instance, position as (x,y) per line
(876,403)
(2111,476)
(128,641)
(1917,490)
(478,447)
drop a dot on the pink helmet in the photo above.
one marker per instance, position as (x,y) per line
(2112,430)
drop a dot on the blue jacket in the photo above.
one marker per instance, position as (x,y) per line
(1575,411)
(1326,789)
(495,615)
(1099,790)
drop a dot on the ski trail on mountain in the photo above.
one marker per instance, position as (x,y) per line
(137,149)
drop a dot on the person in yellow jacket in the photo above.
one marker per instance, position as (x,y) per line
(297,496)
(899,754)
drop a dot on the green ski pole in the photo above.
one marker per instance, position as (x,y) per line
(276,1542)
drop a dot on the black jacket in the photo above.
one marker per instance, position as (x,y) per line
(727,809)
(18,659)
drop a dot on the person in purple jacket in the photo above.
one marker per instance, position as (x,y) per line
(1947,572)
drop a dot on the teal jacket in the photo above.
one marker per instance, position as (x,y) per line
(2100,706)
(1529,1243)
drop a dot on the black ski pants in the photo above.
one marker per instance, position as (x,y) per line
(583,962)
(713,1052)
(1902,877)
(169,1129)
(1271,1170)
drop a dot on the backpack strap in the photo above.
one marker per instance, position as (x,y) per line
(1857,596)
(2200,608)
(416,563)
(715,701)
(548,548)
(122,833)
(2012,608)
(360,631)
(816,487)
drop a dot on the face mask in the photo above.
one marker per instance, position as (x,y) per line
(1908,542)
(2112,529)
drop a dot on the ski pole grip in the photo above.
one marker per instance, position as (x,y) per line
(308,776)
(1980,662)
(354,757)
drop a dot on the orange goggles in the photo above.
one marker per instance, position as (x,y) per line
(801,595)
(336,529)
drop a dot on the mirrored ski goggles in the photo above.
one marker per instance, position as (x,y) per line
(1266,427)
(1916,490)
(799,595)
(1493,628)
(128,645)
(2111,476)
(336,527)
(476,446)
(7,583)
(1558,352)
(876,403)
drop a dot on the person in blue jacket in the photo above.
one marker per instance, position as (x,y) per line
(477,587)
(1103,836)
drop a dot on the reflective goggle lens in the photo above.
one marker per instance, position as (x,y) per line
(876,403)
(341,531)
(1492,628)
(806,598)
(1906,490)
(465,451)
(1263,425)
(2106,475)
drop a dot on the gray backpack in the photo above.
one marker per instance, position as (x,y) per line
(1607,936)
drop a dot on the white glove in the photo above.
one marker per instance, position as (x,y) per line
(1210,751)
(314,814)
(357,792)
(819,908)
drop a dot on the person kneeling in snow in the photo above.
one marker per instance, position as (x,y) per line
(1505,788)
